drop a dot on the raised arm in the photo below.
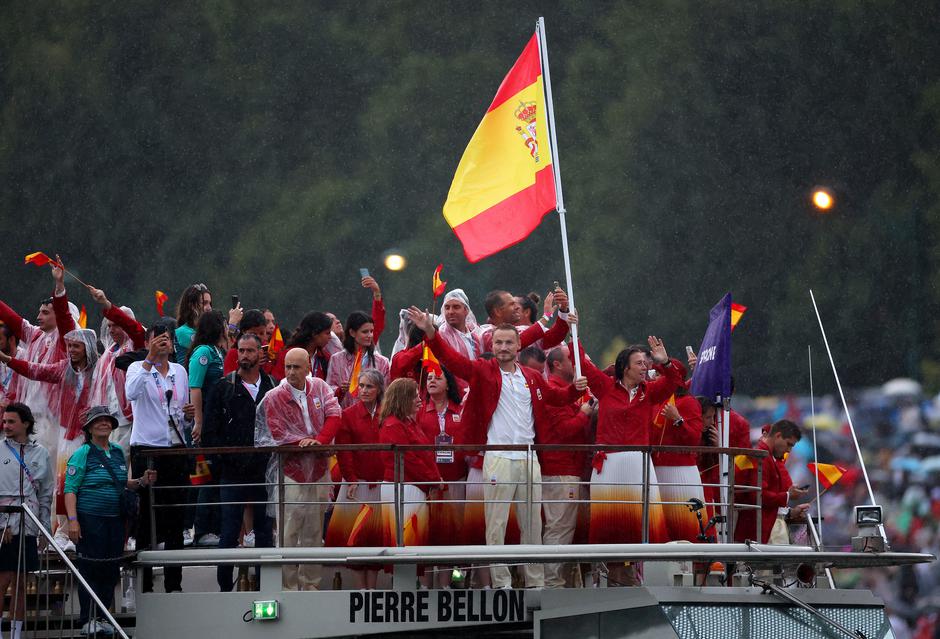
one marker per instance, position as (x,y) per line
(557,333)
(378,307)
(559,330)
(454,361)
(48,373)
(599,383)
(60,303)
(12,319)
(112,313)
(405,361)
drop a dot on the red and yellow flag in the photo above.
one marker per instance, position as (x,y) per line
(430,363)
(660,420)
(828,473)
(83,317)
(437,285)
(39,259)
(203,474)
(354,376)
(161,300)
(276,343)
(737,311)
(504,183)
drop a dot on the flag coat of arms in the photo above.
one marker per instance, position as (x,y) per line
(504,183)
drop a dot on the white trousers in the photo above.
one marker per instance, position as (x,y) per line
(560,504)
(507,480)
(303,527)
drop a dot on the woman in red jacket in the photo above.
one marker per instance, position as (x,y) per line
(441,421)
(357,516)
(418,469)
(679,423)
(625,411)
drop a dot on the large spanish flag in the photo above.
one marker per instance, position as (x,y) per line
(504,184)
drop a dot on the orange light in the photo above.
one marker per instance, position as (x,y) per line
(822,199)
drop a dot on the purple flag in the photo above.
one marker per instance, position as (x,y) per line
(712,376)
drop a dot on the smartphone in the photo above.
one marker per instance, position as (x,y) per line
(234,301)
(159,329)
(689,352)
(363,272)
(555,285)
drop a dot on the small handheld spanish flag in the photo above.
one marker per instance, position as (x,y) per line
(430,363)
(39,259)
(660,420)
(737,310)
(743,462)
(354,376)
(276,343)
(161,298)
(828,474)
(437,286)
(203,474)
(83,317)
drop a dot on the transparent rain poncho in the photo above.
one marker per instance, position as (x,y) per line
(108,383)
(452,336)
(74,387)
(279,421)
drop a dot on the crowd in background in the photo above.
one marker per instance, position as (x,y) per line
(898,429)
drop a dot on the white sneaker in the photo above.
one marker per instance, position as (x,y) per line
(95,627)
(105,627)
(131,545)
(208,539)
(249,540)
(188,537)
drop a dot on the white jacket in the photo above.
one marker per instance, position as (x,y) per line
(37,485)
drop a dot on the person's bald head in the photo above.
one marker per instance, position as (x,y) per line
(297,367)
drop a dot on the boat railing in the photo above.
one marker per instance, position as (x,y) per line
(48,608)
(725,510)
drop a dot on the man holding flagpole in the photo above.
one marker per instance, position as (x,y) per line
(511,402)
(509,178)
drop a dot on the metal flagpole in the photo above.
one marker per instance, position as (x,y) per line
(556,172)
(812,409)
(848,415)
(725,464)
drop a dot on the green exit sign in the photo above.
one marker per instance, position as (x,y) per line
(265,610)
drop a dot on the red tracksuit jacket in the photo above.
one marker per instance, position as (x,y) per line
(486,384)
(776,483)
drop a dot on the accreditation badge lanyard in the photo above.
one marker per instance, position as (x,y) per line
(23,465)
(168,393)
(443,439)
